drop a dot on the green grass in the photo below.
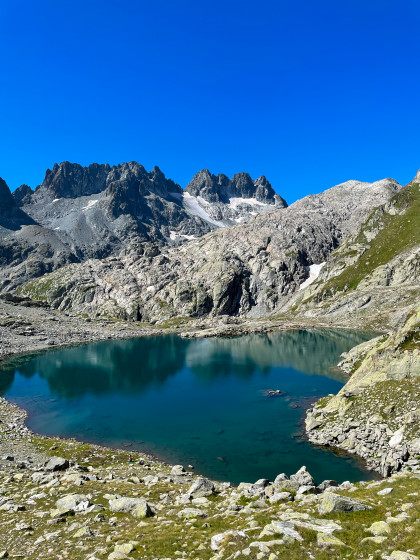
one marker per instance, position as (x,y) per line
(397,234)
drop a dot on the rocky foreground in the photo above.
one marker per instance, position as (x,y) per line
(62,499)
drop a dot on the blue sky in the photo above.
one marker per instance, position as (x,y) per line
(308,93)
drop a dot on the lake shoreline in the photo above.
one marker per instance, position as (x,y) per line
(170,456)
(31,329)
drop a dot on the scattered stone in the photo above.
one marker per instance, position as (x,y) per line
(125,548)
(326,541)
(385,491)
(399,555)
(222,539)
(379,528)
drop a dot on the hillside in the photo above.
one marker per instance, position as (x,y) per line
(374,274)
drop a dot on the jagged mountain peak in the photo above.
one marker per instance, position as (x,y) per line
(70,180)
(220,188)
(11,216)
(6,199)
(23,194)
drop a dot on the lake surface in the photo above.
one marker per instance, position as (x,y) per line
(198,402)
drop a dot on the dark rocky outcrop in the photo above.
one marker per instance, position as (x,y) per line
(220,188)
(70,180)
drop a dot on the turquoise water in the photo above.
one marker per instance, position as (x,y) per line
(198,402)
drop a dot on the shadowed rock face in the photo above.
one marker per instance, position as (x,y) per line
(22,195)
(11,217)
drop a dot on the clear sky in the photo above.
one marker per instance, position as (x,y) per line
(308,93)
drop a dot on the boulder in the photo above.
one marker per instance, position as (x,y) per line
(125,548)
(222,539)
(70,503)
(333,502)
(285,528)
(201,488)
(397,438)
(326,541)
(177,470)
(142,510)
(327,484)
(280,478)
(190,513)
(138,507)
(280,497)
(379,528)
(303,477)
(56,464)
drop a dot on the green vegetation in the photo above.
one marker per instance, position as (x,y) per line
(397,233)
(412,339)
(36,289)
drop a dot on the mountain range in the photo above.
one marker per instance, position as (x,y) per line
(137,246)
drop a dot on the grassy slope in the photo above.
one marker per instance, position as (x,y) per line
(397,233)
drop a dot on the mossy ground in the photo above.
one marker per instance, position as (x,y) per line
(166,535)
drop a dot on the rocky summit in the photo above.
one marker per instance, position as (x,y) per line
(101,252)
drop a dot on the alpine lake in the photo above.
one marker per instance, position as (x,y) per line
(199,402)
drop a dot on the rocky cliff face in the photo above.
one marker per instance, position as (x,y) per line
(248,270)
(376,414)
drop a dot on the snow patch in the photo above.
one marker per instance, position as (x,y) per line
(192,206)
(314,270)
(90,204)
(150,288)
(236,201)
(175,235)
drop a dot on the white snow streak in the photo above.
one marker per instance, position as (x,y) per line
(314,271)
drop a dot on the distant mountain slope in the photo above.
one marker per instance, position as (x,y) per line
(249,269)
(98,211)
(374,274)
